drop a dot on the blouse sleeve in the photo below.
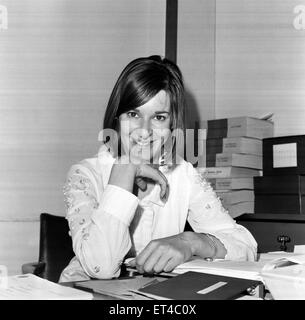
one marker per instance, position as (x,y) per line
(99,223)
(207,215)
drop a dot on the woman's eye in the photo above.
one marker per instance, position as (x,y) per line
(132,114)
(160,118)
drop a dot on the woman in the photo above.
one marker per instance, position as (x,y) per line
(134,198)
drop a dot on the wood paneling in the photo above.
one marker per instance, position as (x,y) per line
(59,60)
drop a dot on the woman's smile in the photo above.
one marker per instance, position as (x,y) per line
(145,129)
(145,143)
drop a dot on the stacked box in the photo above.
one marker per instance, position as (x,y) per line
(238,127)
(238,151)
(234,187)
(281,189)
(233,156)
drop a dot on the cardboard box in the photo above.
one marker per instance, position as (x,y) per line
(280,203)
(232,183)
(239,160)
(284,155)
(228,172)
(238,127)
(282,184)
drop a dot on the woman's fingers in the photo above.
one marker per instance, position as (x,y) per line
(162,263)
(160,255)
(141,183)
(166,187)
(146,171)
(148,265)
(171,264)
(144,255)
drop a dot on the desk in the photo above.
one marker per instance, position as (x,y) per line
(266,228)
(98,296)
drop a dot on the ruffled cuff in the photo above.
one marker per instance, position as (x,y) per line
(117,202)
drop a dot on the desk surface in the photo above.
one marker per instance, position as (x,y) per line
(99,296)
(96,296)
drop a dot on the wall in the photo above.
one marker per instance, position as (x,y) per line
(243,57)
(260,62)
(58,62)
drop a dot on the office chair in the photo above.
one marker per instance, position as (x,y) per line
(55,248)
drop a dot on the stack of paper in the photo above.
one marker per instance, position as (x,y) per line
(284,274)
(238,269)
(31,287)
(278,259)
(286,283)
(243,269)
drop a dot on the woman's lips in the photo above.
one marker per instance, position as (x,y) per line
(143,143)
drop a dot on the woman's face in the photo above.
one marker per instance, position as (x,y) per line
(145,129)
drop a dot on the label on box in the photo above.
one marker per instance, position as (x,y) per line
(284,155)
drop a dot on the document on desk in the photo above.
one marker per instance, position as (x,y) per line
(284,274)
(242,269)
(277,259)
(121,288)
(199,286)
(31,287)
(238,269)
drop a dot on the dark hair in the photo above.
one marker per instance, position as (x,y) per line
(140,81)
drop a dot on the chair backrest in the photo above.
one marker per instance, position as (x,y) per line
(55,248)
(188,227)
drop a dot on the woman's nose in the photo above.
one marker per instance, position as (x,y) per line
(145,129)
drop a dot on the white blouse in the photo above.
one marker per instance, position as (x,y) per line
(108,223)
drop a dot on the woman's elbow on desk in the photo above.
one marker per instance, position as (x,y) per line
(103,274)
(97,265)
(99,269)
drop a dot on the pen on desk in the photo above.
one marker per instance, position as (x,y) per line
(161,274)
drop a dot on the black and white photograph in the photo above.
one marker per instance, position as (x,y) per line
(152,153)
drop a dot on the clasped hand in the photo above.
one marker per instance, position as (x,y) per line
(125,174)
(163,254)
